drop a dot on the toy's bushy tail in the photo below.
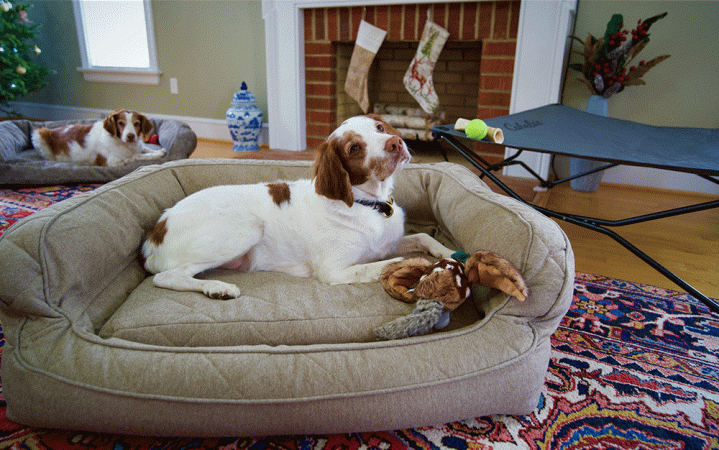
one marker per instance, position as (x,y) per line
(420,321)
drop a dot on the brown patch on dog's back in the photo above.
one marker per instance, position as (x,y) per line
(280,192)
(100,160)
(56,148)
(58,139)
(157,235)
(78,132)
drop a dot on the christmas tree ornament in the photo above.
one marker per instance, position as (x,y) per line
(418,78)
(21,70)
(369,40)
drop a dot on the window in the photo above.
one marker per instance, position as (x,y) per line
(117,41)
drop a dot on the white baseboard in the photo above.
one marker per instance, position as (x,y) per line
(647,177)
(203,127)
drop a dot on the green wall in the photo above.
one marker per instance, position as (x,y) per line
(209,46)
(212,46)
(681,91)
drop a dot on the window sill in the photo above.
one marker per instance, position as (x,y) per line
(124,76)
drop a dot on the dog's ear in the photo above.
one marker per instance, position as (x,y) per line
(145,125)
(331,178)
(110,123)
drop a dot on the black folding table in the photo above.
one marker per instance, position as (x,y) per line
(562,130)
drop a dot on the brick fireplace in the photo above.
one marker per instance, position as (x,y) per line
(542,28)
(473,76)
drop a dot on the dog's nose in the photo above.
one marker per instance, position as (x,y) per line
(130,137)
(393,144)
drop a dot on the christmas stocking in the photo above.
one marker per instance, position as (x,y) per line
(369,40)
(418,79)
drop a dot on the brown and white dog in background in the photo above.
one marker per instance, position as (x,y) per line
(339,227)
(113,141)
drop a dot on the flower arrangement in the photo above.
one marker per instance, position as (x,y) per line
(606,59)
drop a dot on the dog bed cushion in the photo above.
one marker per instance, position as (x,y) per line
(93,345)
(21,164)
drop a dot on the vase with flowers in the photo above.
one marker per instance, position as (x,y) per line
(608,69)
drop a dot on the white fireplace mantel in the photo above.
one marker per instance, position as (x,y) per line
(544,26)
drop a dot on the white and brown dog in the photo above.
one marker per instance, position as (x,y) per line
(113,141)
(339,227)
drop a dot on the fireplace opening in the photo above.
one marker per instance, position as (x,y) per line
(455,79)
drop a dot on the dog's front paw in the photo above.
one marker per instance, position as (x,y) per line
(488,269)
(221,291)
(152,154)
(435,248)
(441,252)
(156,154)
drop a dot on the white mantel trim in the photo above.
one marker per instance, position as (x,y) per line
(539,66)
(544,26)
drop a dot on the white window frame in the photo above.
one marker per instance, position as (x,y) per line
(150,76)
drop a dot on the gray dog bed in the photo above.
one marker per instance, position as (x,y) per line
(22,165)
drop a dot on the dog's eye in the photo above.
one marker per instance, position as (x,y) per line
(121,123)
(355,149)
(137,124)
(380,128)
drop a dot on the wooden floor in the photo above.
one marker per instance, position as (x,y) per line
(687,245)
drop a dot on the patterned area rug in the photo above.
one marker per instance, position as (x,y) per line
(632,367)
(18,203)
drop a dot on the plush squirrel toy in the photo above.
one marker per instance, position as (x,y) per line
(440,288)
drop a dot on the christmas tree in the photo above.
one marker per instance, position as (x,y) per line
(20,74)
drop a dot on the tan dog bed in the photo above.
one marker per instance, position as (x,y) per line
(93,345)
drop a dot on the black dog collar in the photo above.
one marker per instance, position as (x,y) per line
(383,207)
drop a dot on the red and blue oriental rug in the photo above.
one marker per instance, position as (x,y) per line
(632,367)
(16,204)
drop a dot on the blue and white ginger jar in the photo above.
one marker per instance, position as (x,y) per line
(244,119)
